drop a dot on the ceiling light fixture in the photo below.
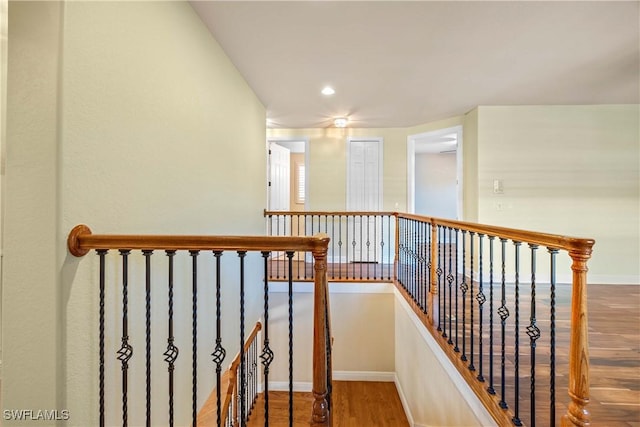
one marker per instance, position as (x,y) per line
(328,90)
(341,122)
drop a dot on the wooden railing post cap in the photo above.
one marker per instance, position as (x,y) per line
(73,243)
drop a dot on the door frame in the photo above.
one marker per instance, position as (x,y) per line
(279,139)
(411,166)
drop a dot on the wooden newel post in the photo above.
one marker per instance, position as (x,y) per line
(433,279)
(577,413)
(320,413)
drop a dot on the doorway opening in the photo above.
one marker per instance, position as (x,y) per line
(434,173)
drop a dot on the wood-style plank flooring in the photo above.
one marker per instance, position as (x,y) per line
(355,404)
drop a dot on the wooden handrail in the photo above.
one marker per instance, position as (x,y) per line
(236,361)
(329,213)
(81,241)
(543,239)
(579,249)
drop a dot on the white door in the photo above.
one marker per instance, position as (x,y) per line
(364,193)
(279,188)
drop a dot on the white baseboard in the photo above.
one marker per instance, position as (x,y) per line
(284,386)
(387,377)
(403,400)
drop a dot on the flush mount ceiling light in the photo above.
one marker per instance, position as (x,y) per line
(328,90)
(340,122)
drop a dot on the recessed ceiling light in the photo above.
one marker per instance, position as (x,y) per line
(328,90)
(340,122)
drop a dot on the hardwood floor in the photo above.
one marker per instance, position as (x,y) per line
(355,404)
(614,342)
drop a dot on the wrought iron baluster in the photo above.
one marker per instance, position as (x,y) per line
(368,244)
(552,331)
(457,278)
(360,246)
(429,263)
(333,251)
(243,368)
(290,256)
(172,351)
(450,284)
(101,254)
(503,312)
(471,311)
(219,352)
(534,333)
(440,280)
(147,255)
(442,291)
(481,300)
(267,354)
(389,245)
(126,350)
(464,288)
(516,416)
(491,388)
(194,338)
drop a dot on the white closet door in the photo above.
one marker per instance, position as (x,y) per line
(364,193)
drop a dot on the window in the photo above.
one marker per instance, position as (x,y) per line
(300,182)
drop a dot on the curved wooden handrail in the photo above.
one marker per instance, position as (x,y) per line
(236,361)
(81,241)
(571,244)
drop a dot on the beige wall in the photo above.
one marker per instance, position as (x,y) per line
(571,170)
(363,331)
(129,117)
(327,166)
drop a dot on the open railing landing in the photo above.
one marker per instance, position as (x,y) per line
(489,295)
(203,288)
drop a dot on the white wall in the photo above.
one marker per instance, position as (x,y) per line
(570,170)
(129,117)
(432,390)
(435,187)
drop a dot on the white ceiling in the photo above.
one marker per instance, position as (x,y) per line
(399,64)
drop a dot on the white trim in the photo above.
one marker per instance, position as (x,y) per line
(277,139)
(386,377)
(478,409)
(411,166)
(403,400)
(334,287)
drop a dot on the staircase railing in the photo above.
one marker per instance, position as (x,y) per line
(136,270)
(361,249)
(492,300)
(473,283)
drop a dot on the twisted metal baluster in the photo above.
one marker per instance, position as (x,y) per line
(464,288)
(126,350)
(491,388)
(219,352)
(194,337)
(450,279)
(101,253)
(147,254)
(243,367)
(439,271)
(516,416)
(480,297)
(503,312)
(471,257)
(267,355)
(290,255)
(171,354)
(534,333)
(552,330)
(457,278)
